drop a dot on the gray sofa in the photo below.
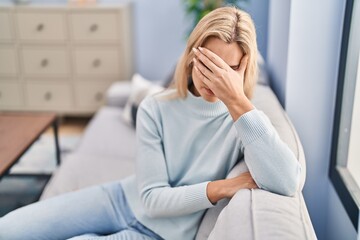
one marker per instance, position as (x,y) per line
(107,153)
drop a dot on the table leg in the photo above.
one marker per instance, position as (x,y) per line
(56,128)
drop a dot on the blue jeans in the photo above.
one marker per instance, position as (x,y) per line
(99,212)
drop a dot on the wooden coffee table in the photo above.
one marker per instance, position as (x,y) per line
(18,131)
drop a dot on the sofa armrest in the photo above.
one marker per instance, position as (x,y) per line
(266,101)
(118,93)
(258,214)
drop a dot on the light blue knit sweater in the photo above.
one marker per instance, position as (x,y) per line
(183,144)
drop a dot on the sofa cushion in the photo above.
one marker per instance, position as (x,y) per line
(118,93)
(108,135)
(107,143)
(81,170)
(140,88)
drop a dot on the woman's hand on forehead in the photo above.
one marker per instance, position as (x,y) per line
(212,67)
(226,83)
(210,59)
(215,63)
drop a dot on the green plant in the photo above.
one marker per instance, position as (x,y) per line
(199,8)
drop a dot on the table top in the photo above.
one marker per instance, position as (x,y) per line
(18,131)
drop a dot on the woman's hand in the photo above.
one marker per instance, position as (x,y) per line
(227,188)
(226,83)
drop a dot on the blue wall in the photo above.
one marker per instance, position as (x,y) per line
(308,86)
(278,45)
(259,11)
(160,27)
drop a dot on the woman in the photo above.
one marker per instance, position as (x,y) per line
(189,137)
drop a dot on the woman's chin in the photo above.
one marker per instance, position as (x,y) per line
(211,99)
(208,95)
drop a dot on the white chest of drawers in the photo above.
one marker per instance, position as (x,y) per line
(63,57)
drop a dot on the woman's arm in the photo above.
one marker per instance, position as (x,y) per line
(158,197)
(271,163)
(227,188)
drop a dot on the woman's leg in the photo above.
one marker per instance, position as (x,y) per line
(95,209)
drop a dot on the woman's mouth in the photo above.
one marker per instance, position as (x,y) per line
(209,92)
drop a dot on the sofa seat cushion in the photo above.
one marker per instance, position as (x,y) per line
(107,135)
(79,171)
(258,214)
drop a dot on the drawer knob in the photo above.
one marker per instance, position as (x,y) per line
(44,62)
(96,62)
(98,96)
(93,27)
(48,96)
(40,27)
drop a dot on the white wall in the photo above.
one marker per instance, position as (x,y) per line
(353,163)
(309,68)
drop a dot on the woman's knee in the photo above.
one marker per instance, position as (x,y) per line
(29,222)
(10,230)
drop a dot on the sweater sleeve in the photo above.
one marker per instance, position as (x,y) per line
(271,163)
(158,197)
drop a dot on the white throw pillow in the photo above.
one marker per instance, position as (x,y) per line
(140,88)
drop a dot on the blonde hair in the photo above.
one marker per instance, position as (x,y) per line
(230,25)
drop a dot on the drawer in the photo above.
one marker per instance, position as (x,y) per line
(91,95)
(49,62)
(97,62)
(6,33)
(38,25)
(8,61)
(49,96)
(95,26)
(10,95)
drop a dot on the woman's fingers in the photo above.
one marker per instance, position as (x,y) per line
(248,181)
(251,185)
(203,78)
(215,59)
(203,70)
(207,61)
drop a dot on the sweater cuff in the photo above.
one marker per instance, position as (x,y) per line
(196,195)
(251,126)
